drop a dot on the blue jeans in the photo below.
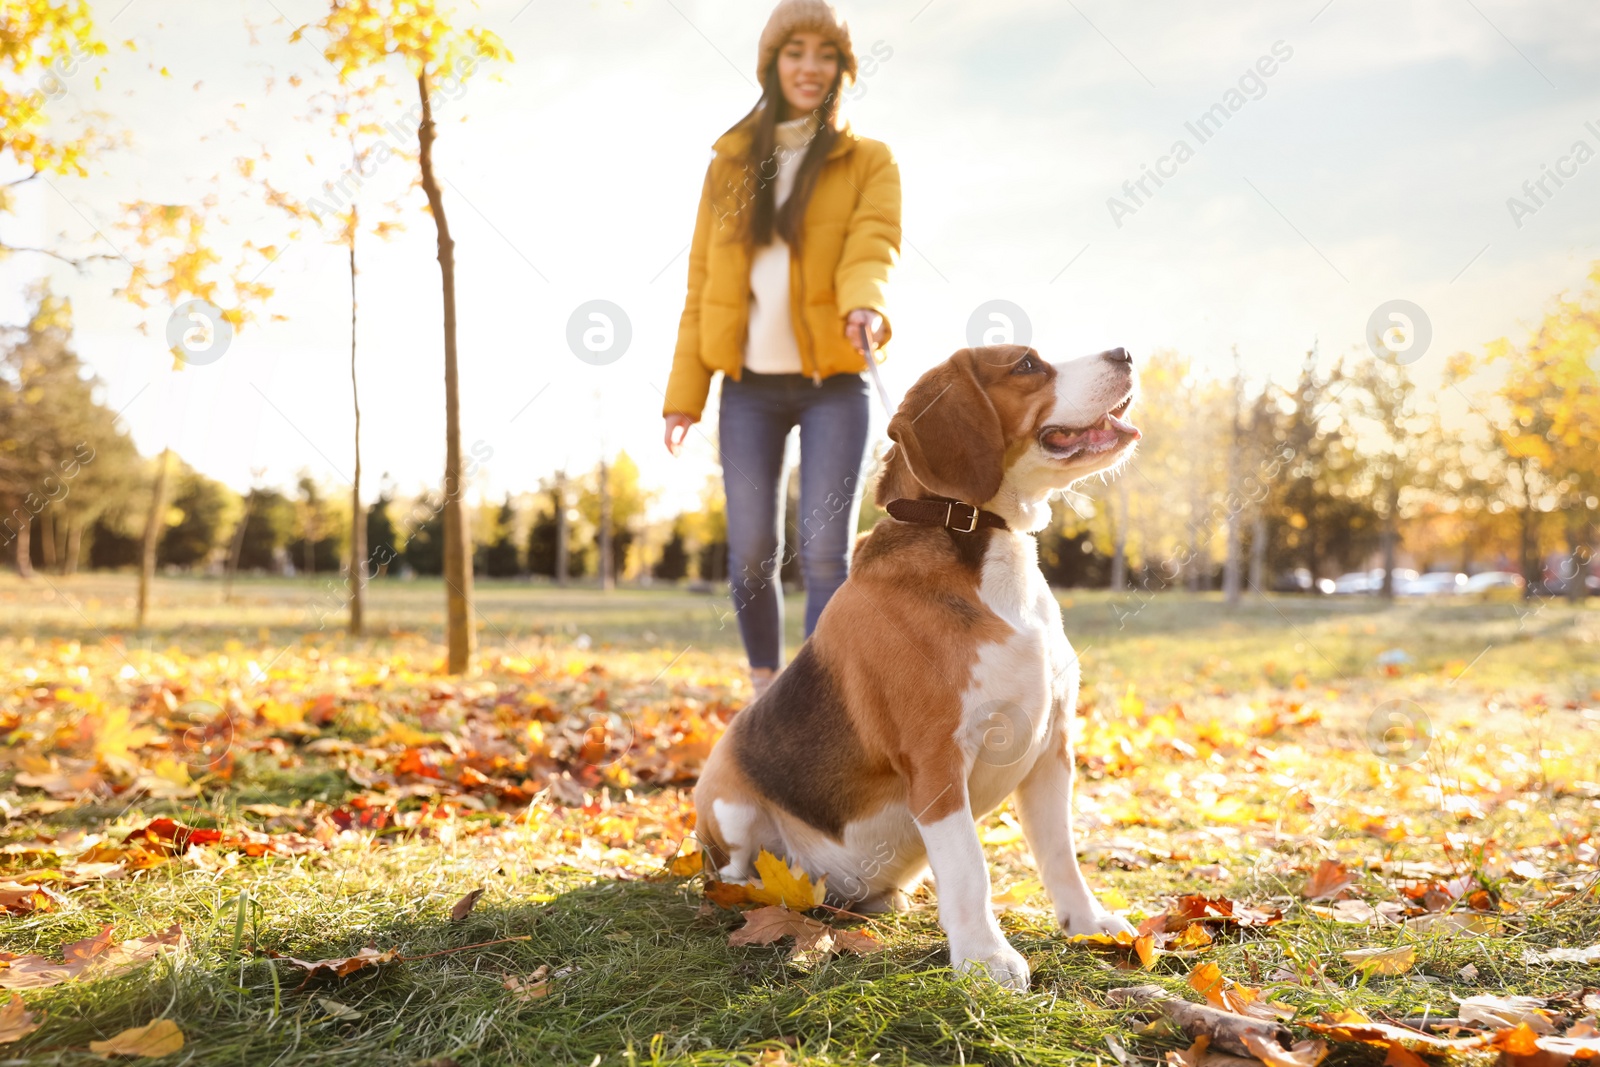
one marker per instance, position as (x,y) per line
(756,415)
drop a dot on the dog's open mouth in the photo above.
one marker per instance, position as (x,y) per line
(1111,432)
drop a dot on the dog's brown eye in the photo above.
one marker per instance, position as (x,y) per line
(1026,365)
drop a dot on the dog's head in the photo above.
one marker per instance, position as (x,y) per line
(1002,414)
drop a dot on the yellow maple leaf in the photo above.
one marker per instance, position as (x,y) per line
(786,885)
(115,736)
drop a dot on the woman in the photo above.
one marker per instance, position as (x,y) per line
(798,227)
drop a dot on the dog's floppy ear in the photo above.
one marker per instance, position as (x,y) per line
(950,433)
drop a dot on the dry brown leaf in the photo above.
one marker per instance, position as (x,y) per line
(20,899)
(1200,1054)
(1330,881)
(341,967)
(96,956)
(463,907)
(159,1038)
(533,987)
(765,926)
(1503,1013)
(1303,1054)
(16,1021)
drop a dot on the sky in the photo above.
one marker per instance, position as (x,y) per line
(1377,161)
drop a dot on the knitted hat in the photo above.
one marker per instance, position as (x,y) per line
(798,16)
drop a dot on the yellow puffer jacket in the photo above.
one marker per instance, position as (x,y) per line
(850,243)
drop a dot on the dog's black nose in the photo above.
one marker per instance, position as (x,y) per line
(1118,355)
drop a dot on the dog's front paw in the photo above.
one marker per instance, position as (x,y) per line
(1096,921)
(1000,962)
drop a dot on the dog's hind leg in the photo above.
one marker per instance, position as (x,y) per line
(745,829)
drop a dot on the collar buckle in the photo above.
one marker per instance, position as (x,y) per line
(972,520)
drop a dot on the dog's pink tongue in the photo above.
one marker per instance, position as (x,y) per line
(1124,426)
(1100,437)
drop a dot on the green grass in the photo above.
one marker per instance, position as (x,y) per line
(646,974)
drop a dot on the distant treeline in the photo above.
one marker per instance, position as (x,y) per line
(1351,465)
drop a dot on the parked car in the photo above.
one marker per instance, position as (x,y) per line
(1401,576)
(1298,580)
(1434,583)
(1482,583)
(1353,583)
(1560,586)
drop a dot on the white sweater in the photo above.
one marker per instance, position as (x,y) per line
(770,346)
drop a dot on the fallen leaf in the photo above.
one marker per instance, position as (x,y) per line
(1329,881)
(1303,1054)
(1507,1012)
(16,1022)
(765,926)
(342,1012)
(159,1038)
(533,987)
(785,885)
(97,956)
(1589,955)
(464,905)
(1018,895)
(342,966)
(1220,992)
(1382,960)
(19,899)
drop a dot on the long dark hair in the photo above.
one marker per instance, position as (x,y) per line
(761,218)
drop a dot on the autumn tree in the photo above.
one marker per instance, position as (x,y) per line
(357,35)
(53,431)
(350,116)
(42,43)
(208,296)
(1549,402)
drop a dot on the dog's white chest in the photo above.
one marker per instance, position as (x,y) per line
(1009,703)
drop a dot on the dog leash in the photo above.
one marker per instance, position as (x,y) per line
(872,365)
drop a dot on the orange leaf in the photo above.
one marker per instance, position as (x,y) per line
(1329,881)
(16,1022)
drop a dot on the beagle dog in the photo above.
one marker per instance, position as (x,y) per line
(938,681)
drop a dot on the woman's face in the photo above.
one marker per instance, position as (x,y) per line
(807,65)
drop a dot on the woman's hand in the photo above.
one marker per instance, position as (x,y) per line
(677,431)
(875,324)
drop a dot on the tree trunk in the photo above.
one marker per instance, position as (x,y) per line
(69,566)
(1233,563)
(561,528)
(47,539)
(1577,557)
(457,544)
(1258,549)
(154,524)
(1387,538)
(1119,536)
(1532,571)
(358,519)
(237,549)
(24,542)
(608,578)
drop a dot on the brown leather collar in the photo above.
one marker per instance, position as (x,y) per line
(954,515)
